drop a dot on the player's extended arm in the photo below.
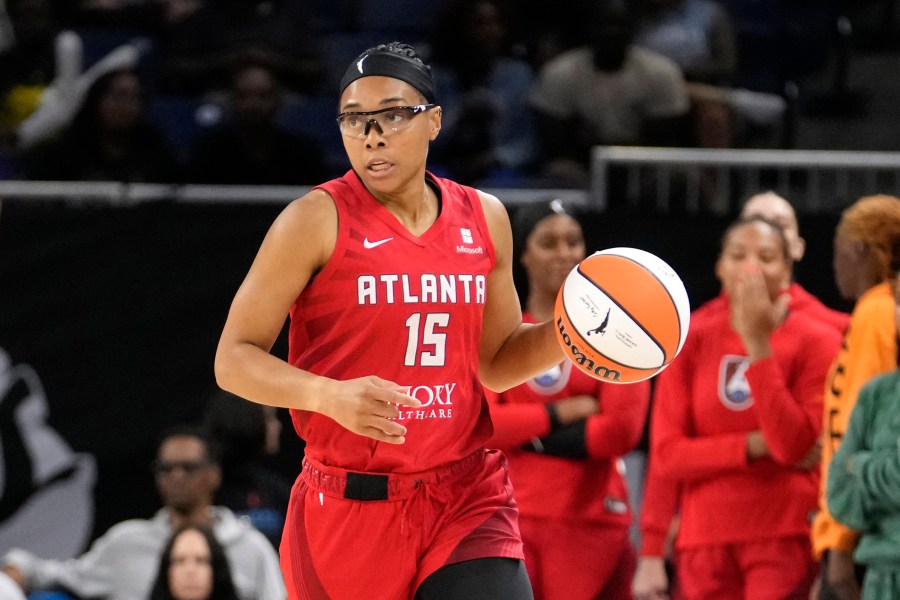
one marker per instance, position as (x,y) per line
(790,418)
(511,351)
(296,246)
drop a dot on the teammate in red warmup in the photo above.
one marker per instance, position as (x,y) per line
(402,304)
(660,501)
(736,421)
(563,432)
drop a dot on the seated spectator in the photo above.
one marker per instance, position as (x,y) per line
(248,436)
(699,36)
(122,563)
(201,47)
(251,147)
(111,138)
(488,129)
(609,92)
(193,567)
(695,34)
(546,34)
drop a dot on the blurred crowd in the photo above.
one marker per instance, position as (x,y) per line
(744,435)
(242,91)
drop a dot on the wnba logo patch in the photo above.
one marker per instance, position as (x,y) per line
(734,390)
(552,380)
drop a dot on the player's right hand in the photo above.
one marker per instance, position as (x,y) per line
(368,406)
(650,580)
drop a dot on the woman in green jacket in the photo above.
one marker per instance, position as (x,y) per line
(863,489)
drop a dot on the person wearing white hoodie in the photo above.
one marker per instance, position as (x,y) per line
(122,564)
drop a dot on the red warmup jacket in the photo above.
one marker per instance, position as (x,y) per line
(661,495)
(707,402)
(592,489)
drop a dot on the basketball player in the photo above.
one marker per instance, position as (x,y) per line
(401,300)
(660,496)
(563,432)
(734,421)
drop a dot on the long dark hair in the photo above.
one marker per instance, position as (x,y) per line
(223,586)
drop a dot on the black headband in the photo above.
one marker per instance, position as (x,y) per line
(388,64)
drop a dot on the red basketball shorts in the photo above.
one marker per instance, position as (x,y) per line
(351,535)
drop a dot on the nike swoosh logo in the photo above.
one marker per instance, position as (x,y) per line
(370,245)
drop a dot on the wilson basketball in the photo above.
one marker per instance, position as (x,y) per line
(622,315)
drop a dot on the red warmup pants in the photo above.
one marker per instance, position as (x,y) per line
(577,561)
(350,536)
(777,569)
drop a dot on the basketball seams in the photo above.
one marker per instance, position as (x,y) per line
(672,299)
(635,318)
(662,283)
(630,316)
(633,374)
(645,332)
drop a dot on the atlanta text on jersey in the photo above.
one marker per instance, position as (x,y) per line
(427,288)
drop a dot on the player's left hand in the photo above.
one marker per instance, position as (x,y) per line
(368,406)
(754,315)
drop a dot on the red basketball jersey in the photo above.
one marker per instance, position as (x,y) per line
(407,309)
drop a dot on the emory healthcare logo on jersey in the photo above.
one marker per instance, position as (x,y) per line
(467,239)
(734,390)
(437,402)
